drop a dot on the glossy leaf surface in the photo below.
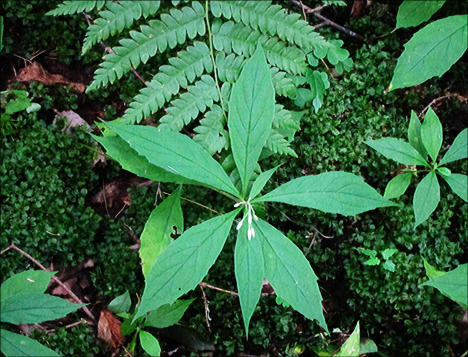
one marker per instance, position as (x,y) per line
(458,150)
(398,150)
(150,344)
(185,262)
(176,153)
(160,225)
(334,192)
(431,134)
(290,273)
(426,198)
(251,111)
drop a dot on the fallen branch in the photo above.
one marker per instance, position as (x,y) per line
(448,96)
(85,309)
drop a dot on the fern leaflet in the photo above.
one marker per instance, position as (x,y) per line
(173,29)
(284,85)
(211,133)
(190,104)
(118,17)
(74,7)
(188,65)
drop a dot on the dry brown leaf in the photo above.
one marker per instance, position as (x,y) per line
(109,329)
(36,73)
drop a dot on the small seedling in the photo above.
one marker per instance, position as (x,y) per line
(386,254)
(424,140)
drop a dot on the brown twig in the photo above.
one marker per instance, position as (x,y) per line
(315,12)
(70,326)
(205,285)
(207,309)
(110,50)
(85,309)
(448,96)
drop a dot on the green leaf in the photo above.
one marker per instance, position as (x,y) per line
(369,252)
(398,185)
(122,152)
(431,51)
(389,265)
(167,315)
(156,235)
(431,134)
(185,262)
(176,153)
(211,133)
(260,182)
(413,13)
(453,283)
(459,184)
(444,171)
(29,281)
(397,150)
(367,346)
(251,111)
(432,272)
(387,253)
(372,261)
(414,135)
(333,192)
(150,344)
(249,271)
(31,308)
(14,345)
(289,272)
(426,198)
(351,347)
(121,303)
(128,326)
(458,150)
(20,103)
(319,84)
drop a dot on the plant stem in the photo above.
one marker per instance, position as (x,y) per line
(215,69)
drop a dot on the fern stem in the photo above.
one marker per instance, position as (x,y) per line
(215,69)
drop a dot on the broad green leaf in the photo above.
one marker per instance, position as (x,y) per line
(14,345)
(150,344)
(20,103)
(453,283)
(431,134)
(432,272)
(398,150)
(185,262)
(260,182)
(333,192)
(387,253)
(372,261)
(426,198)
(458,150)
(351,347)
(413,13)
(167,315)
(128,326)
(160,225)
(29,281)
(319,84)
(414,135)
(251,111)
(369,252)
(249,269)
(121,303)
(459,184)
(431,51)
(31,308)
(389,265)
(444,171)
(289,272)
(176,153)
(122,152)
(367,346)
(398,185)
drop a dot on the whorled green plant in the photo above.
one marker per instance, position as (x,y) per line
(261,250)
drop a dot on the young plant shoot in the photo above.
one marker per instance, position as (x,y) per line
(261,250)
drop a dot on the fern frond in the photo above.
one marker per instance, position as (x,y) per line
(237,38)
(229,67)
(190,104)
(284,127)
(74,7)
(283,85)
(270,19)
(184,69)
(278,144)
(211,133)
(118,17)
(173,29)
